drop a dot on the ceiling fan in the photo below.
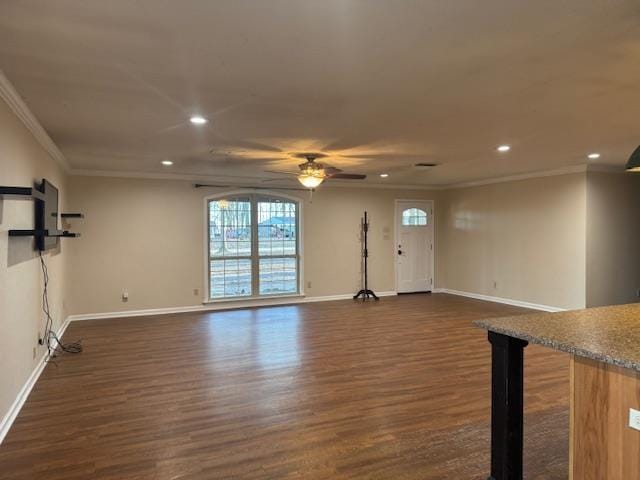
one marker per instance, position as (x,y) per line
(312,173)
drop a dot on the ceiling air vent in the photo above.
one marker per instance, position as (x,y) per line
(425,166)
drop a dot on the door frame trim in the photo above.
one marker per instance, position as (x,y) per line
(395,237)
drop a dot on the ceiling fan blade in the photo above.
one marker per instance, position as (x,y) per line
(348,176)
(282,173)
(308,155)
(275,187)
(329,170)
(285,179)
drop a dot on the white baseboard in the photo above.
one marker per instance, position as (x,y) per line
(22,396)
(24,392)
(11,415)
(262,302)
(506,301)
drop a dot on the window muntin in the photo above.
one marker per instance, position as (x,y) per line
(277,232)
(414,217)
(253,246)
(230,241)
(230,278)
(278,276)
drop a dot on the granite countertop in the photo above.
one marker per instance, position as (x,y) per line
(606,334)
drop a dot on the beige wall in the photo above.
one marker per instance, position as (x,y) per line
(613,237)
(526,236)
(23,162)
(146,236)
(561,241)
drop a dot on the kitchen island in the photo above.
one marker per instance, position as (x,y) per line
(604,344)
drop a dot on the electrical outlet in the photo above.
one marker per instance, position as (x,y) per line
(495,284)
(308,284)
(196,291)
(125,296)
(634,419)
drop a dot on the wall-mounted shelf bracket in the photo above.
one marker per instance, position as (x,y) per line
(42,233)
(32,193)
(21,192)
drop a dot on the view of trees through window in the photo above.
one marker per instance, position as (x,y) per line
(253,246)
(414,217)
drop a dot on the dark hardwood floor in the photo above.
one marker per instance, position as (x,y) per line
(340,390)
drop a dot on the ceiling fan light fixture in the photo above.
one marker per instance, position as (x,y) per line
(633,165)
(310,180)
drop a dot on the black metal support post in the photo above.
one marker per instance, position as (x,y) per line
(507,406)
(365,293)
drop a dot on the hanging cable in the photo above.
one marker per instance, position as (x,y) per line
(50,339)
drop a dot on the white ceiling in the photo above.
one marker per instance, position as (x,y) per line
(378,85)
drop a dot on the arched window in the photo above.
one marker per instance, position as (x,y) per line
(253,246)
(414,217)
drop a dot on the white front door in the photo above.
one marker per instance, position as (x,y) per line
(414,246)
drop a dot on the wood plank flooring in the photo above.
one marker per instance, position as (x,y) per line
(339,390)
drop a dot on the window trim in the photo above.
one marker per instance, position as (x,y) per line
(299,245)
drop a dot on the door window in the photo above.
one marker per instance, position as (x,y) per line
(414,217)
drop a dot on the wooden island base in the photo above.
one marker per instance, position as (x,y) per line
(605,385)
(603,446)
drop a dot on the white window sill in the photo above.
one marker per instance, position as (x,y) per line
(265,300)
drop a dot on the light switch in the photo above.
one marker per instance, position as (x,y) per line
(634,419)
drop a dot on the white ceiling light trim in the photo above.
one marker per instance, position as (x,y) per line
(198,120)
(504,148)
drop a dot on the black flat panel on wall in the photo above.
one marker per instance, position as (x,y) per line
(47,216)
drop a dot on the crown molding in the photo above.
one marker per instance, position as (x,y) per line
(582,168)
(254,182)
(617,169)
(12,98)
(249,182)
(236,181)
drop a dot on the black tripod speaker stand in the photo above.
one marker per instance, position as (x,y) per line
(365,293)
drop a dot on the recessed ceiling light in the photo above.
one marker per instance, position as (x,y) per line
(384,175)
(504,148)
(594,156)
(198,120)
(167,163)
